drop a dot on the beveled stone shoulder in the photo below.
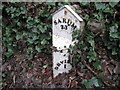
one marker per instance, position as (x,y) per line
(70,10)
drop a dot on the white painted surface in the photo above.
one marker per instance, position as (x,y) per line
(64,21)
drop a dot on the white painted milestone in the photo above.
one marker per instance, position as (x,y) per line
(64,22)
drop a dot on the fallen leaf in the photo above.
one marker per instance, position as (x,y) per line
(80,74)
(64,83)
(14,77)
(9,67)
(73,83)
(45,66)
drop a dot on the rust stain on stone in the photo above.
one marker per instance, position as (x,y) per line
(65,12)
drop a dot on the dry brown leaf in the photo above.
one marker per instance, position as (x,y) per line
(80,74)
(14,79)
(73,83)
(9,67)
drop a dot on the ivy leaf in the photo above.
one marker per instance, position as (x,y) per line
(43,42)
(91,40)
(84,3)
(94,81)
(114,35)
(37,20)
(108,10)
(66,0)
(100,6)
(30,52)
(19,24)
(91,55)
(30,41)
(114,52)
(38,48)
(45,13)
(97,65)
(35,37)
(112,4)
(113,31)
(18,37)
(86,83)
(51,3)
(98,16)
(91,82)
(9,52)
(41,28)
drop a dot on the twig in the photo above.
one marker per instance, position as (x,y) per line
(84,62)
(88,67)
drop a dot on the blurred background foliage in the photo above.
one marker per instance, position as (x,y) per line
(27,28)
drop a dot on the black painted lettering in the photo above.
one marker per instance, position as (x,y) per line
(64,55)
(61,62)
(73,26)
(58,64)
(55,22)
(56,68)
(64,27)
(64,20)
(65,61)
(59,21)
(68,61)
(61,26)
(69,22)
(64,65)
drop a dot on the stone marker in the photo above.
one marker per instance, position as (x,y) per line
(64,21)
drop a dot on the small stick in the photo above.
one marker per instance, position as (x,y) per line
(84,62)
